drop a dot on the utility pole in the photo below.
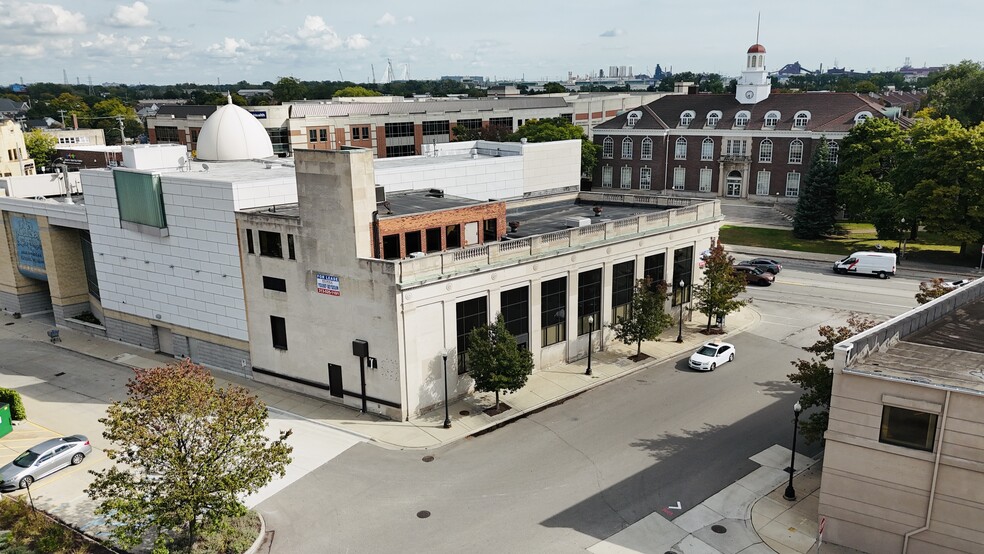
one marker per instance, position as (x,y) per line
(122,134)
(62,112)
(340,77)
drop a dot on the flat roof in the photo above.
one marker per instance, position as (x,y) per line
(549,217)
(948,353)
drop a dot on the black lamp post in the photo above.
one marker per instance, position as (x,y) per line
(447,416)
(680,333)
(790,494)
(590,332)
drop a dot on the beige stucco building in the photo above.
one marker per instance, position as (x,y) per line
(14,159)
(903,469)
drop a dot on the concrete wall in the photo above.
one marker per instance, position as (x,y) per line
(66,270)
(551,165)
(479,179)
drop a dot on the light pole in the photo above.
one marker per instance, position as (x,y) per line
(590,332)
(898,253)
(790,494)
(447,416)
(680,333)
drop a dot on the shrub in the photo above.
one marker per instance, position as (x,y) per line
(12,397)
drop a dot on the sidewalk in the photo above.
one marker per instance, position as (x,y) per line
(766,518)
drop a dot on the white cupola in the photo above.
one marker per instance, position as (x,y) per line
(755,84)
(232,133)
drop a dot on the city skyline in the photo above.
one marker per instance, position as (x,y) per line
(227,41)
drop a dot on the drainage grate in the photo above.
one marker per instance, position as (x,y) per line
(423,514)
(719,529)
(428,458)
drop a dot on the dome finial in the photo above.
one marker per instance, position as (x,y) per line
(229,96)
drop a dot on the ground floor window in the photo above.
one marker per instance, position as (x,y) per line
(705,180)
(623,280)
(278,330)
(469,315)
(792,184)
(626,182)
(908,428)
(679,177)
(655,269)
(763,182)
(553,312)
(516,314)
(645,178)
(606,176)
(683,263)
(588,300)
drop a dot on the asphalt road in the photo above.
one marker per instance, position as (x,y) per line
(568,477)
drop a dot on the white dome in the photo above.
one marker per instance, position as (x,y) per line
(232,133)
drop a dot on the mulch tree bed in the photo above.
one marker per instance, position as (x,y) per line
(639,357)
(713,331)
(494,412)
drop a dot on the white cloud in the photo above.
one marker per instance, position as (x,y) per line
(317,34)
(357,42)
(408,19)
(386,19)
(131,16)
(111,44)
(455,56)
(229,48)
(41,19)
(612,33)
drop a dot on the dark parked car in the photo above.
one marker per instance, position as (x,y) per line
(766,264)
(755,276)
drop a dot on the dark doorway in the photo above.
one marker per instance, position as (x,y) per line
(391,247)
(335,380)
(412,240)
(453,234)
(490,230)
(434,239)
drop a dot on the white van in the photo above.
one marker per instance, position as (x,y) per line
(881,264)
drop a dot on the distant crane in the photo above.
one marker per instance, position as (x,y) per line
(390,74)
(373,73)
(340,77)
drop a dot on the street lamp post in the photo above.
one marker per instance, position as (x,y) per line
(680,323)
(790,493)
(590,332)
(447,416)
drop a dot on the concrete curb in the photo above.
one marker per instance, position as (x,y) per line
(260,538)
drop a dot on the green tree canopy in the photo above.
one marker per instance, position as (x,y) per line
(958,92)
(553,88)
(815,377)
(868,159)
(717,296)
(647,317)
(559,128)
(289,88)
(495,360)
(816,209)
(185,452)
(41,147)
(356,92)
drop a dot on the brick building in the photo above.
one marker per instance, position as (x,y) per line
(752,145)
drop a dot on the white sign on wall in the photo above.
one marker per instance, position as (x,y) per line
(328,284)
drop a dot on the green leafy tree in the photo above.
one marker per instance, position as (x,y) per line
(816,209)
(956,92)
(495,360)
(41,147)
(868,159)
(717,296)
(356,92)
(815,377)
(493,133)
(560,128)
(647,318)
(553,88)
(185,453)
(289,88)
(931,290)
(105,115)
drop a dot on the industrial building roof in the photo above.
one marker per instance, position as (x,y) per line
(340,109)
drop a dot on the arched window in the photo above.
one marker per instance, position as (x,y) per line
(741,118)
(707,150)
(801,119)
(626,148)
(626,181)
(608,148)
(680,152)
(632,119)
(686,118)
(832,149)
(713,117)
(647,148)
(796,152)
(862,117)
(765,151)
(772,118)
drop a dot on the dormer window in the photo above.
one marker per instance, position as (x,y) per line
(741,118)
(686,118)
(632,119)
(772,118)
(861,117)
(712,118)
(801,119)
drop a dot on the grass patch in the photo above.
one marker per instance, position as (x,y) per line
(25,531)
(850,237)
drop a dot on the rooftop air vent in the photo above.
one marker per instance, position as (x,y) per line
(436,193)
(380,194)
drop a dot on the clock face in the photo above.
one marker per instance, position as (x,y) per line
(749,94)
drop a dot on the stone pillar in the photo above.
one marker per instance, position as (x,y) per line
(66,270)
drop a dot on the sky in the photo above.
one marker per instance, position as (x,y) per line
(227,41)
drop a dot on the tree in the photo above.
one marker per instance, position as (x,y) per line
(356,92)
(817,379)
(288,88)
(105,114)
(647,318)
(956,92)
(41,147)
(717,296)
(495,360)
(931,290)
(559,128)
(867,161)
(185,453)
(552,88)
(816,209)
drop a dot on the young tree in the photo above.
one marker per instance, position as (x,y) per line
(931,290)
(647,318)
(560,128)
(717,296)
(816,378)
(816,208)
(495,360)
(185,453)
(41,147)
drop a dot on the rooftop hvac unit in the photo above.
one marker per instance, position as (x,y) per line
(577,221)
(416,254)
(380,194)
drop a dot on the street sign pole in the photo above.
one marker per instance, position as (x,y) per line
(981,264)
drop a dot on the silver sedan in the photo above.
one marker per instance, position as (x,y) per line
(43,460)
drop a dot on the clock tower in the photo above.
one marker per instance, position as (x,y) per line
(755,84)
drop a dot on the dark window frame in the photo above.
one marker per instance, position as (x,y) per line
(515,306)
(250,249)
(589,300)
(291,254)
(908,428)
(623,285)
(269,247)
(553,311)
(469,314)
(274,283)
(278,332)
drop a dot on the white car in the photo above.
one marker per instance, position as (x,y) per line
(711,355)
(955,284)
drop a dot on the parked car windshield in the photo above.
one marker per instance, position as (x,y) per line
(26,459)
(708,351)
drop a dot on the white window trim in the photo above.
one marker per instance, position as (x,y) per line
(625,179)
(627,153)
(607,174)
(645,178)
(687,117)
(774,117)
(679,154)
(704,150)
(792,151)
(801,119)
(742,118)
(705,179)
(682,173)
(759,182)
(795,192)
(647,149)
(763,158)
(608,148)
